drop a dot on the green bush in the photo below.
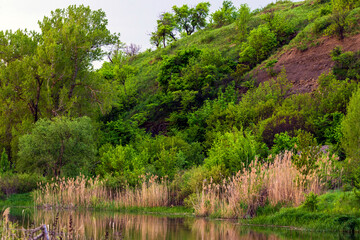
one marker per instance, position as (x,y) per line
(347,64)
(235,150)
(283,142)
(19,183)
(187,184)
(351,131)
(123,162)
(260,44)
(5,165)
(58,147)
(311,202)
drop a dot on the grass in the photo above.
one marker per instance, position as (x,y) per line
(17,200)
(335,211)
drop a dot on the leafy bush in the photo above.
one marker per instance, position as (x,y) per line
(347,64)
(351,131)
(235,150)
(283,142)
(5,165)
(260,44)
(61,147)
(171,66)
(123,162)
(19,183)
(311,202)
(333,95)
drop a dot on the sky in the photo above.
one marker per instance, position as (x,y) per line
(133,19)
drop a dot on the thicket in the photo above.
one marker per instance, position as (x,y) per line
(190,112)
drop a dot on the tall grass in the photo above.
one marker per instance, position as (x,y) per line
(91,192)
(151,193)
(277,183)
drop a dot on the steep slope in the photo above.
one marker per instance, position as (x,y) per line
(304,67)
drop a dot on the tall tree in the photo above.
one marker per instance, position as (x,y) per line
(49,74)
(190,19)
(165,28)
(62,147)
(225,15)
(72,39)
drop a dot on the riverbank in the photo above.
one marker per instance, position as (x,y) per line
(335,211)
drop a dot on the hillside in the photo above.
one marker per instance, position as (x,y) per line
(232,114)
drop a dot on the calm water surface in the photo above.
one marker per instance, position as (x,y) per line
(109,225)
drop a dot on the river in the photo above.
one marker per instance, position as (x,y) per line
(113,225)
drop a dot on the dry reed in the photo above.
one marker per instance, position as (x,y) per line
(279,182)
(151,193)
(88,192)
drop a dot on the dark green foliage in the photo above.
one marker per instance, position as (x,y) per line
(120,132)
(347,64)
(311,202)
(62,147)
(328,128)
(171,66)
(282,122)
(5,165)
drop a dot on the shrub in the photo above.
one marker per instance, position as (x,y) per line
(171,66)
(260,44)
(311,202)
(347,64)
(351,132)
(282,142)
(19,183)
(235,150)
(5,165)
(58,147)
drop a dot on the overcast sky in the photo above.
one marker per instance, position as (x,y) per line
(133,19)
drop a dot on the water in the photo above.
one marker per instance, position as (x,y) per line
(110,225)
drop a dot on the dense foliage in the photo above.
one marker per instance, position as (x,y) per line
(190,110)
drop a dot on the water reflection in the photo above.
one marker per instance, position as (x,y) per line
(107,225)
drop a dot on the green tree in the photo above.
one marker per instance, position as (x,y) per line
(225,15)
(190,19)
(62,147)
(351,133)
(72,39)
(165,28)
(340,11)
(243,20)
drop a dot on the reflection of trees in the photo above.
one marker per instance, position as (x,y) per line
(107,225)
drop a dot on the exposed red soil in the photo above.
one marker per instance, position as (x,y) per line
(304,67)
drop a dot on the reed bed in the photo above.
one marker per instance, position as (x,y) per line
(91,192)
(277,183)
(71,192)
(152,193)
